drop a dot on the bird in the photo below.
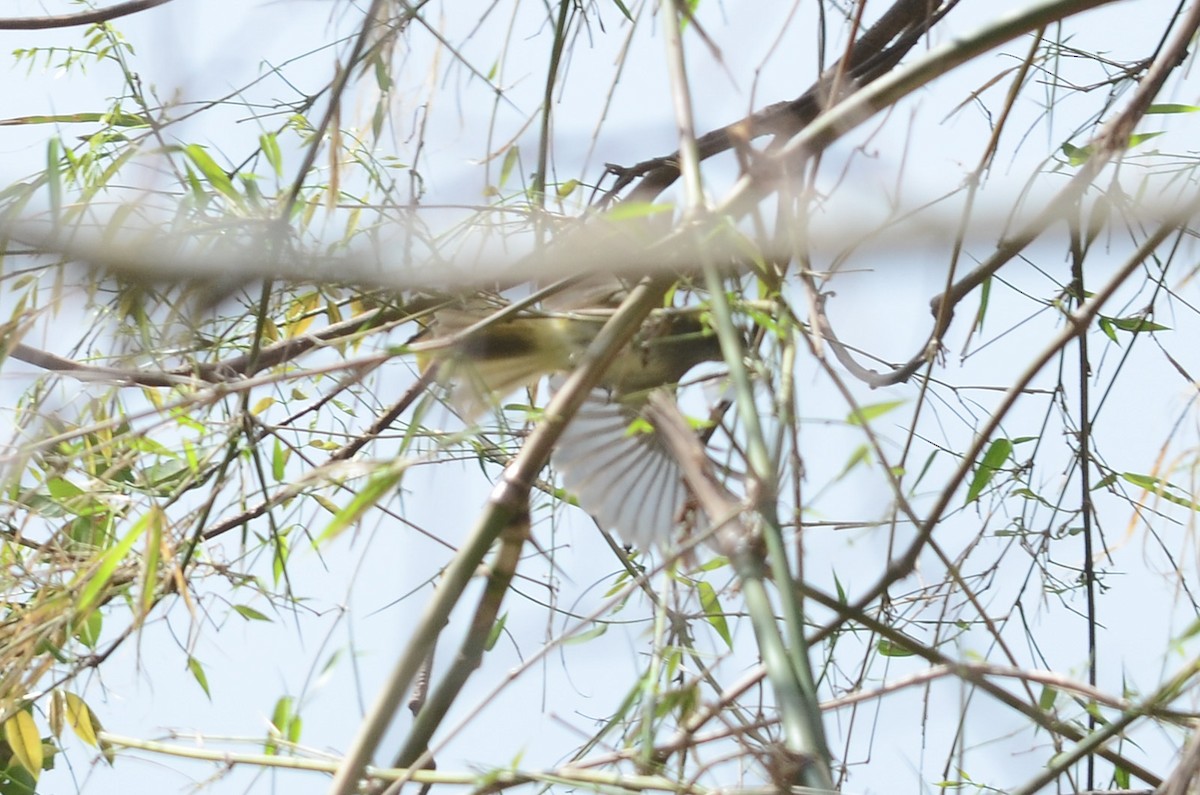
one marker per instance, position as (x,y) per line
(608,457)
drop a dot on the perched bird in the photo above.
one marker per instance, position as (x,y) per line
(612,462)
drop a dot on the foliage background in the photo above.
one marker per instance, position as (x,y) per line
(159,166)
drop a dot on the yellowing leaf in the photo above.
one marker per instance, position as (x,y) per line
(79,718)
(22,735)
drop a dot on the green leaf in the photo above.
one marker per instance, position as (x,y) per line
(279,457)
(1076,155)
(215,175)
(377,487)
(1171,107)
(985,295)
(149,576)
(1047,697)
(198,672)
(565,189)
(1136,323)
(1159,487)
(859,455)
(54,178)
(281,721)
(1108,328)
(270,149)
(495,632)
(627,210)
(692,5)
(62,489)
(510,160)
(713,613)
(889,648)
(625,11)
(1140,138)
(591,634)
(867,413)
(280,558)
(249,613)
(112,559)
(116,119)
(996,456)
(88,630)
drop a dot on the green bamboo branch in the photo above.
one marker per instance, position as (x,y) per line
(787,663)
(509,500)
(800,714)
(492,780)
(504,566)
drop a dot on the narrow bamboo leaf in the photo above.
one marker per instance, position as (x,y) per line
(713,613)
(22,735)
(281,717)
(215,175)
(1076,155)
(995,457)
(150,567)
(280,558)
(377,487)
(1047,697)
(279,457)
(1159,487)
(79,718)
(1171,107)
(1108,328)
(198,672)
(889,648)
(270,149)
(54,178)
(88,630)
(495,632)
(249,613)
(510,160)
(859,455)
(293,729)
(1137,323)
(591,634)
(62,489)
(114,119)
(867,413)
(626,210)
(113,558)
(625,11)
(1139,138)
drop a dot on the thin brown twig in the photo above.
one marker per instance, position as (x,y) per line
(82,18)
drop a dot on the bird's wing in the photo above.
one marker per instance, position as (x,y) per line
(621,474)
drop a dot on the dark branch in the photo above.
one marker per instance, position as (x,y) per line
(82,18)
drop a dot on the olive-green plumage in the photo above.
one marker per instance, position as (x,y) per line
(485,365)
